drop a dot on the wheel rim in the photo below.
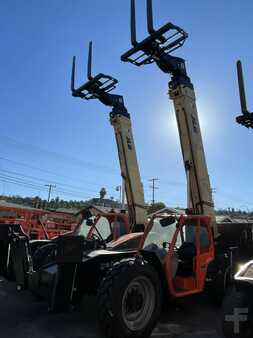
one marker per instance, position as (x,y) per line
(138,303)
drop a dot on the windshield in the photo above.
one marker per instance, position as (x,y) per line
(103,228)
(159,235)
(84,229)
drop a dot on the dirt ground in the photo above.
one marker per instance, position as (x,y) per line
(23,316)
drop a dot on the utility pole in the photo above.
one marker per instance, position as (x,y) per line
(153,187)
(121,189)
(50,186)
(118,188)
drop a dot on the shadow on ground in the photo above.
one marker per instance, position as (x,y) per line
(23,316)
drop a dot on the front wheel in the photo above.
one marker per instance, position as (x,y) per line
(129,300)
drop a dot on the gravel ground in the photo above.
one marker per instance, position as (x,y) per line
(23,316)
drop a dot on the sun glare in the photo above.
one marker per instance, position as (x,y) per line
(167,128)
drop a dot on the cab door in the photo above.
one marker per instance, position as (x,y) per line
(205,250)
(193,246)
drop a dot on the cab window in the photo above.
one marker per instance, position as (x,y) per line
(204,239)
(104,228)
(160,236)
(84,229)
(189,231)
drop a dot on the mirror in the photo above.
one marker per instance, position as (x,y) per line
(86,214)
(167,221)
(89,222)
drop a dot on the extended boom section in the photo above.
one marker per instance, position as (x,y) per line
(99,87)
(129,168)
(157,47)
(199,188)
(246,119)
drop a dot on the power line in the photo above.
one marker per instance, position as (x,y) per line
(19,180)
(36,186)
(68,193)
(70,159)
(37,183)
(51,173)
(177,184)
(57,182)
(45,180)
(19,184)
(63,192)
(39,186)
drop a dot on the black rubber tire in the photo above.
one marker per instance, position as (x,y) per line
(44,255)
(236,299)
(217,289)
(111,293)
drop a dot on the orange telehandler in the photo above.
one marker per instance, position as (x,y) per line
(178,256)
(28,256)
(60,262)
(239,298)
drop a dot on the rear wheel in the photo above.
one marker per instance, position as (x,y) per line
(237,315)
(129,300)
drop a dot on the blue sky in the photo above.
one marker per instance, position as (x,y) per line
(46,136)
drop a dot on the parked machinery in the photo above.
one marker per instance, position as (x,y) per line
(22,225)
(75,266)
(237,307)
(246,119)
(21,257)
(97,87)
(37,223)
(177,256)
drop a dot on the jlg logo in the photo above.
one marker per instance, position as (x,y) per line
(129,142)
(194,123)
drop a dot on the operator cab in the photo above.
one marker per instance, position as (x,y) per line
(84,228)
(184,246)
(159,238)
(105,227)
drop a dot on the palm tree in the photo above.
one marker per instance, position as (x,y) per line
(102,193)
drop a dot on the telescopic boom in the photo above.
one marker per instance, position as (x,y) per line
(99,87)
(157,48)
